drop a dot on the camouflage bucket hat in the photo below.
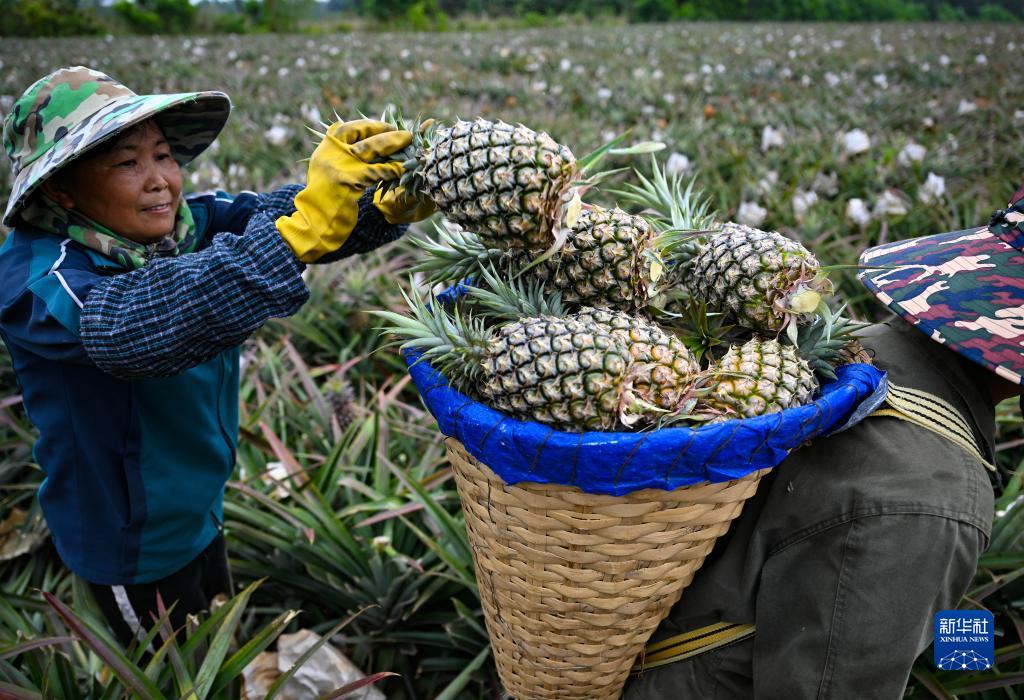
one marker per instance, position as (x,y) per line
(964,289)
(72,110)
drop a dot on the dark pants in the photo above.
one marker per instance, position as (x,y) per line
(130,610)
(841,560)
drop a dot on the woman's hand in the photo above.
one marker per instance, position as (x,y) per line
(340,170)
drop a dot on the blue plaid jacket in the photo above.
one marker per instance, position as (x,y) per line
(132,377)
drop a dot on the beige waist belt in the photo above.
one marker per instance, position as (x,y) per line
(911,405)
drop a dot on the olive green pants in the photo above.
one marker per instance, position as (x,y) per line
(840,560)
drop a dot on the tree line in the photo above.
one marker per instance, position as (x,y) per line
(77,17)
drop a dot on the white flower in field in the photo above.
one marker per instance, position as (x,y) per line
(263,70)
(826,184)
(966,107)
(300,62)
(855,141)
(706,69)
(384,75)
(751,214)
(565,65)
(880,80)
(310,114)
(802,201)
(276,473)
(944,60)
(603,93)
(911,153)
(805,80)
(1018,116)
(719,68)
(282,72)
(669,97)
(352,71)
(925,67)
(933,189)
(407,75)
(767,183)
(890,203)
(928,122)
(1011,46)
(857,212)
(607,135)
(538,86)
(981,59)
(648,110)
(832,79)
(232,55)
(277,135)
(404,53)
(772,138)
(677,164)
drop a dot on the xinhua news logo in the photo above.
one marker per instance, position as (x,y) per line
(964,640)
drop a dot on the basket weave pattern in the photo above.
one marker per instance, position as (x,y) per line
(573,584)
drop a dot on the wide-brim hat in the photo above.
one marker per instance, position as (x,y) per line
(72,110)
(963,289)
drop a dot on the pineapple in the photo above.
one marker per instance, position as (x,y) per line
(664,371)
(761,376)
(508,183)
(340,398)
(829,342)
(568,374)
(608,259)
(764,279)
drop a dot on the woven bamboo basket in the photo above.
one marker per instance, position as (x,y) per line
(573,584)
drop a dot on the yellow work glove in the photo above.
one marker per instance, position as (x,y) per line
(399,206)
(340,170)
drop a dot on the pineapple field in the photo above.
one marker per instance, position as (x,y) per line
(594,282)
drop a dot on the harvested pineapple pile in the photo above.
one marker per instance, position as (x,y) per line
(586,318)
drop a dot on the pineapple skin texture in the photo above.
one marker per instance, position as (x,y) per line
(746,271)
(604,261)
(561,372)
(504,182)
(774,378)
(663,370)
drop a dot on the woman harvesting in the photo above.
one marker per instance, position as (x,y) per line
(123,305)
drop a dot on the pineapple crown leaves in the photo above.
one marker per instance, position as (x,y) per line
(670,204)
(454,343)
(681,215)
(515,298)
(453,255)
(424,134)
(821,341)
(701,330)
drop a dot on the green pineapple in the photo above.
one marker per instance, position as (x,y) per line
(568,374)
(508,183)
(766,281)
(609,259)
(761,376)
(664,371)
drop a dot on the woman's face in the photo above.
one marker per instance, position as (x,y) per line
(131,188)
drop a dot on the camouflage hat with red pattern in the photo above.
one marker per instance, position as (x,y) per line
(964,289)
(69,111)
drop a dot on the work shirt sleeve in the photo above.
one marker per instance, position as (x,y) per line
(176,313)
(372,230)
